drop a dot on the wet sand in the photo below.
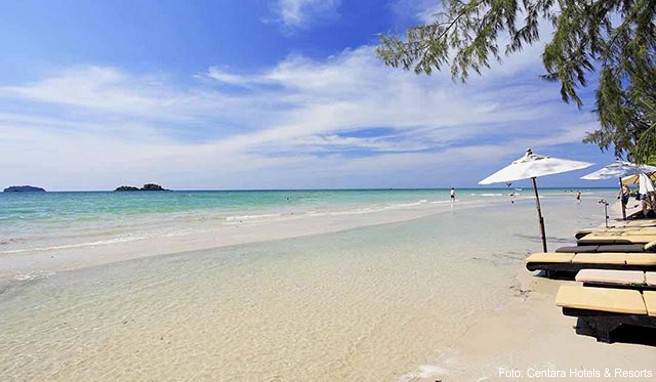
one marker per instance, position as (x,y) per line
(188,235)
(442,297)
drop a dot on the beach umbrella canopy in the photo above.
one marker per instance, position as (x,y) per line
(646,185)
(633,179)
(619,169)
(531,166)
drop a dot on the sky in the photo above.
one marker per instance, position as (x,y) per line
(260,94)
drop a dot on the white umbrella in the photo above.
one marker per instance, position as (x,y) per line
(619,170)
(646,185)
(530,166)
(633,179)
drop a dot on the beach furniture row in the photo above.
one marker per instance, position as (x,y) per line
(611,303)
(628,247)
(615,271)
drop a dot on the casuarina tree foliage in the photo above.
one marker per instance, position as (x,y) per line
(612,42)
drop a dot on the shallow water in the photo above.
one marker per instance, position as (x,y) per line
(60,220)
(366,304)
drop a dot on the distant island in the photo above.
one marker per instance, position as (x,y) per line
(24,189)
(146,187)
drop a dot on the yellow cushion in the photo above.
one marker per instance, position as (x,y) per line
(650,302)
(641,231)
(650,245)
(643,237)
(601,299)
(600,258)
(609,232)
(598,239)
(550,257)
(641,223)
(625,231)
(635,239)
(641,259)
(615,239)
(607,276)
(650,278)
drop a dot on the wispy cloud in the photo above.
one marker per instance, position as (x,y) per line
(301,14)
(422,11)
(347,121)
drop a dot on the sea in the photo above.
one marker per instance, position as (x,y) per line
(28,217)
(380,302)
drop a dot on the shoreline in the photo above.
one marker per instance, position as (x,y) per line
(24,264)
(530,339)
(407,301)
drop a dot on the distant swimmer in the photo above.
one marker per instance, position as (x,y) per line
(453,194)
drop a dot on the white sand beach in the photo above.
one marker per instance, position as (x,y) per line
(423,293)
(43,255)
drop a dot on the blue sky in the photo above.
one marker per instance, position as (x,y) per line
(259,94)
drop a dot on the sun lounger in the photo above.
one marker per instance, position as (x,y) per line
(602,310)
(571,263)
(650,278)
(640,223)
(608,238)
(623,248)
(602,258)
(611,277)
(624,230)
(631,228)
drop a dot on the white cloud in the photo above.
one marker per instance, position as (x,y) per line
(301,123)
(295,14)
(422,11)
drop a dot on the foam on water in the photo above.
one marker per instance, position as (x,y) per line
(123,239)
(240,218)
(47,221)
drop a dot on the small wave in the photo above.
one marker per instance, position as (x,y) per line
(78,245)
(239,218)
(486,195)
(401,205)
(410,204)
(356,211)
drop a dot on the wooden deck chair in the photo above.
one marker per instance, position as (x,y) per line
(601,311)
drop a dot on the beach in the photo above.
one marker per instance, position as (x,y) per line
(398,287)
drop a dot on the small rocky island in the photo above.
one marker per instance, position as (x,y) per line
(24,189)
(146,187)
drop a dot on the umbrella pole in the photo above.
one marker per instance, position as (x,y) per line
(622,201)
(540,218)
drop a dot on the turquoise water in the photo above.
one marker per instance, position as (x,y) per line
(21,208)
(62,219)
(369,304)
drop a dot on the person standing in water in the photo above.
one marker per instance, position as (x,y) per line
(453,194)
(578,197)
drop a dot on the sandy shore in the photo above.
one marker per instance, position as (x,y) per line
(193,236)
(440,297)
(530,339)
